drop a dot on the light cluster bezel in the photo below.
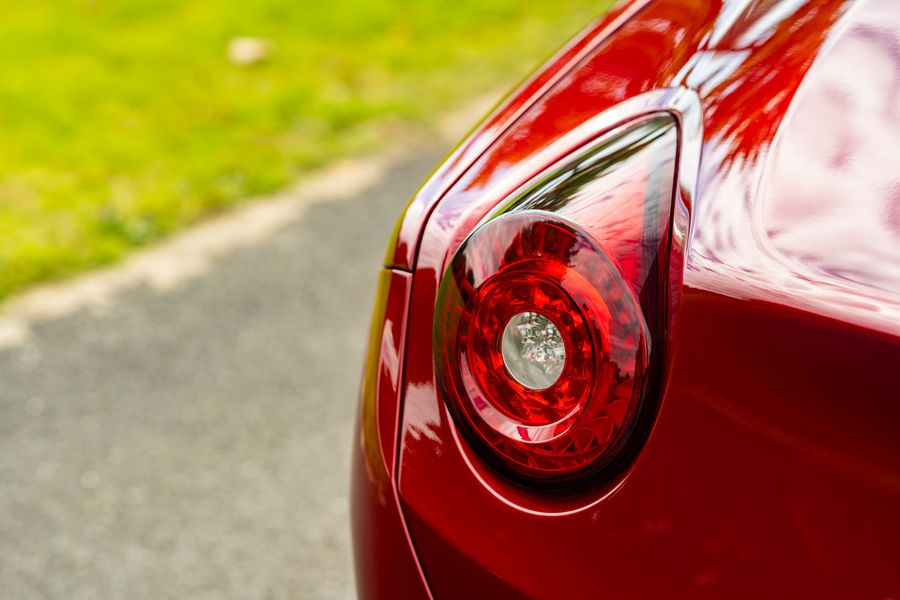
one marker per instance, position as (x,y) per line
(615,143)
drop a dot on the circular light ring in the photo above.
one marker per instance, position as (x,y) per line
(530,415)
(533,261)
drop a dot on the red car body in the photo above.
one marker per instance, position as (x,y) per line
(771,466)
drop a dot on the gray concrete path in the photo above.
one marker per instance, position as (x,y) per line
(194,443)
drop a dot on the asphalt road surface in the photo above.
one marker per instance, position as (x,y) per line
(195,443)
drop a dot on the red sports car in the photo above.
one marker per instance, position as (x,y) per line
(639,336)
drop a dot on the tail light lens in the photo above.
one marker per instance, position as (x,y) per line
(549,321)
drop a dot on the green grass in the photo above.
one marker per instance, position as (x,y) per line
(121,121)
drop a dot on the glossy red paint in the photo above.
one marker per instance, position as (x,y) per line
(386,566)
(773,466)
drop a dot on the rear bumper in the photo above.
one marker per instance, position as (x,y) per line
(385,564)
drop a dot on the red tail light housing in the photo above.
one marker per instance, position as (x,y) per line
(573,270)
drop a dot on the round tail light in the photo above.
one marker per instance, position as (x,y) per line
(541,345)
(546,313)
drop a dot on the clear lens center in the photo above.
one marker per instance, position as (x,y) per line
(533,350)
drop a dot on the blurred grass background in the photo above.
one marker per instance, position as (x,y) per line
(124,120)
